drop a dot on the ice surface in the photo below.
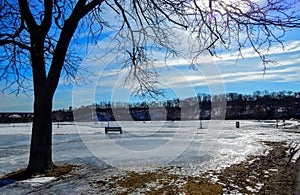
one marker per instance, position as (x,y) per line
(153,143)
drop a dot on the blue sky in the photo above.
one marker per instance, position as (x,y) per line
(215,75)
(178,80)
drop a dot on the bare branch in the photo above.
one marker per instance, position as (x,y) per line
(47,21)
(27,15)
(167,16)
(67,32)
(13,42)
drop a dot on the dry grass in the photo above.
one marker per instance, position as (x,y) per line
(23,174)
(273,171)
(160,182)
(59,170)
(203,187)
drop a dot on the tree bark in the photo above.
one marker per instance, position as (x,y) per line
(40,159)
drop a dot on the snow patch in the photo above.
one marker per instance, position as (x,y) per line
(296,156)
(38,181)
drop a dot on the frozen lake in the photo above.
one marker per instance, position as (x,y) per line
(149,144)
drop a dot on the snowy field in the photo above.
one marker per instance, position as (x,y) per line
(148,144)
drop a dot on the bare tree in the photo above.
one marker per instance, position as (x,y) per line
(37,37)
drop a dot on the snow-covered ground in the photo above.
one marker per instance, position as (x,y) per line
(150,144)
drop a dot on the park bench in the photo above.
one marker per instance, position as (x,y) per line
(107,129)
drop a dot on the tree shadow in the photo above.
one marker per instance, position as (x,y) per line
(14,177)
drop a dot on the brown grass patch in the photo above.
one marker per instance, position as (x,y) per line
(59,170)
(160,182)
(247,175)
(23,174)
(202,187)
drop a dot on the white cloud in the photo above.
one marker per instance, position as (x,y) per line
(179,78)
(289,47)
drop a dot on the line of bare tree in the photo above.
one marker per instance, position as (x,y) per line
(259,105)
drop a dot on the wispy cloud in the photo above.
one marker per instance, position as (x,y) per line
(289,47)
(249,69)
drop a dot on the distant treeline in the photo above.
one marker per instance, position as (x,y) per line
(15,117)
(24,117)
(263,105)
(259,105)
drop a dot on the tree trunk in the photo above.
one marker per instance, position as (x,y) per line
(40,159)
